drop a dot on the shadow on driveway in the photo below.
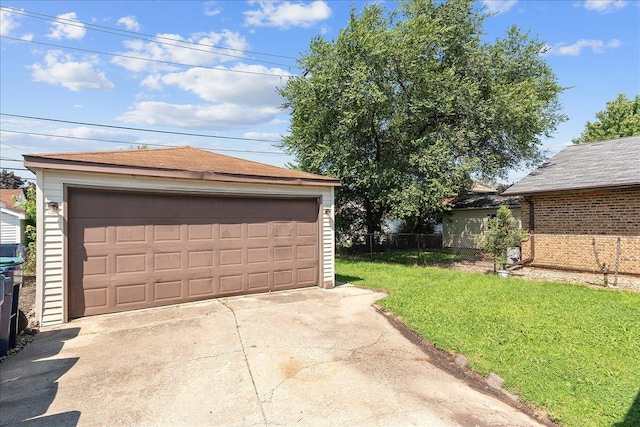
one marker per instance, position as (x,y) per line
(29,382)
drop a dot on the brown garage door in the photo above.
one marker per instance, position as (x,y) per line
(132,250)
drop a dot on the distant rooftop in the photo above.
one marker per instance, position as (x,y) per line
(589,166)
(6,197)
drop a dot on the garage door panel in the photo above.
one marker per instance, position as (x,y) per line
(231,283)
(168,290)
(201,287)
(167,261)
(258,255)
(132,293)
(134,250)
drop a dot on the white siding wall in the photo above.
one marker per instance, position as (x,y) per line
(10,226)
(51,266)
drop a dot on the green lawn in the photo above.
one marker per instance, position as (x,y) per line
(570,350)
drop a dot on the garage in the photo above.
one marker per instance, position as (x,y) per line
(133,229)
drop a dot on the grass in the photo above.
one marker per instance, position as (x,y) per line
(571,350)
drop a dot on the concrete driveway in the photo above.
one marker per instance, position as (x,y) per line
(307,357)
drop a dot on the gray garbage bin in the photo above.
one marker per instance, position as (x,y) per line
(10,290)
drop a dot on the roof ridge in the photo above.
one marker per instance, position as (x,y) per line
(126,150)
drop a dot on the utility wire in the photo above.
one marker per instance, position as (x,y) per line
(133,143)
(133,34)
(200,135)
(147,59)
(147,37)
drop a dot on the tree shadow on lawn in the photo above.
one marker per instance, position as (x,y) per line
(348,279)
(632,419)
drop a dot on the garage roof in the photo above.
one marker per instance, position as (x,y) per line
(181,162)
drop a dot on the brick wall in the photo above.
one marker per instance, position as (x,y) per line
(580,230)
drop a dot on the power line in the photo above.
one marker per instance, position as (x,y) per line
(132,143)
(119,55)
(133,34)
(166,132)
(147,37)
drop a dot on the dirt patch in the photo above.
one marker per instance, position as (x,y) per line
(623,282)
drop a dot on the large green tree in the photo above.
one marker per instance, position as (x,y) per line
(405,107)
(9,180)
(620,119)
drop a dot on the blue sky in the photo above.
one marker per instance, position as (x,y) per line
(212,68)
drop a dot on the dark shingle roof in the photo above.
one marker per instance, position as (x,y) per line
(590,166)
(485,201)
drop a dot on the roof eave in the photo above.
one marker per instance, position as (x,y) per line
(570,190)
(13,212)
(34,162)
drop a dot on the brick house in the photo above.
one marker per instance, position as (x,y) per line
(582,208)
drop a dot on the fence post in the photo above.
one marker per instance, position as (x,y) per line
(371,246)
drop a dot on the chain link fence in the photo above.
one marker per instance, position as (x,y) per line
(424,248)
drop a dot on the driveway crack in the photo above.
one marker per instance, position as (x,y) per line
(246,361)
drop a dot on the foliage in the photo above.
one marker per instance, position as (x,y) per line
(9,180)
(620,119)
(568,349)
(29,206)
(406,107)
(502,233)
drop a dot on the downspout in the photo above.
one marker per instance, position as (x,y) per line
(532,238)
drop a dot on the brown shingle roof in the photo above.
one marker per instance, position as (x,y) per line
(180,159)
(6,197)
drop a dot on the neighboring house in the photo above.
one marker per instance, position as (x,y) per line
(12,217)
(582,208)
(463,226)
(125,230)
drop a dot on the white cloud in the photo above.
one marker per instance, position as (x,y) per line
(271,136)
(218,85)
(64,29)
(285,14)
(196,50)
(604,6)
(8,22)
(499,6)
(210,8)
(27,37)
(129,22)
(93,133)
(63,70)
(596,46)
(213,117)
